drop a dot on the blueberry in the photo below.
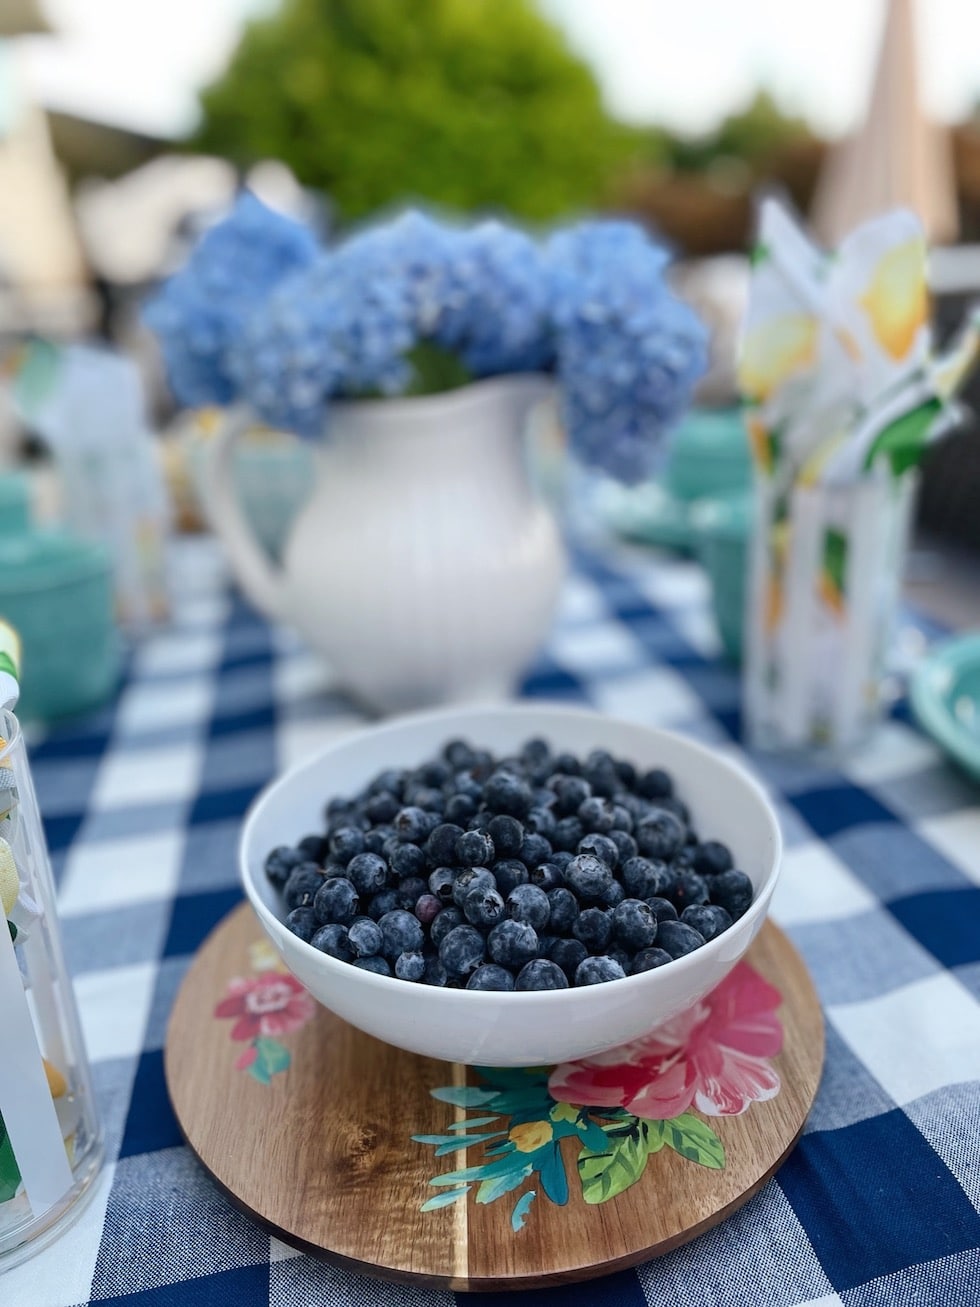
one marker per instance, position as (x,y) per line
(534,850)
(596,815)
(677,938)
(662,909)
(491,976)
(626,773)
(568,954)
(463,949)
(435,973)
(365,937)
(345,843)
(435,773)
(508,794)
(390,781)
(595,971)
(570,793)
(612,895)
(332,940)
(458,753)
(541,821)
(381,807)
(568,833)
(566,764)
(547,876)
(659,835)
(411,825)
(600,772)
(707,919)
(622,819)
(535,752)
(407,860)
(676,807)
(483,906)
(447,920)
(304,923)
(281,862)
(643,877)
(459,809)
(410,966)
(561,858)
(634,924)
(512,943)
(732,890)
(441,883)
(626,845)
(530,904)
(401,932)
(440,847)
(563,910)
(688,889)
(540,973)
(594,928)
(314,848)
(601,847)
(587,876)
(368,873)
(683,859)
(509,873)
(648,958)
(381,840)
(467,784)
(378,965)
(304,881)
(387,900)
(474,848)
(469,879)
(507,834)
(411,889)
(655,784)
(427,908)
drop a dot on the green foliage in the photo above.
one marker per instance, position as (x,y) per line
(752,136)
(468,104)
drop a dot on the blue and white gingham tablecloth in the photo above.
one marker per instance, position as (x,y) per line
(879,1204)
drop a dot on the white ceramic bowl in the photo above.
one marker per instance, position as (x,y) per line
(513,1029)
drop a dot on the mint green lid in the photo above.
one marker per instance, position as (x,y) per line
(32,559)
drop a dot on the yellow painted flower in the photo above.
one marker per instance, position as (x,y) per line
(896,300)
(531,1135)
(774,351)
(564,1112)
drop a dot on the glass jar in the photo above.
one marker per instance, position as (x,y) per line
(824,588)
(51,1145)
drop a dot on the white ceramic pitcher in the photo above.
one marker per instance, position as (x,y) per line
(424,567)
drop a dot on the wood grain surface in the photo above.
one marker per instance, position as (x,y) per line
(323,1157)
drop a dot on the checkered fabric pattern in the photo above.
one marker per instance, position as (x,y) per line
(880,1203)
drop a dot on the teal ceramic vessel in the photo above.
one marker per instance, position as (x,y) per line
(722,529)
(57,592)
(945,695)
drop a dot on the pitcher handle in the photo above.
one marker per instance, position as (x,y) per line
(259,578)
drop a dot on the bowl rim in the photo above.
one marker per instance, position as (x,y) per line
(471,998)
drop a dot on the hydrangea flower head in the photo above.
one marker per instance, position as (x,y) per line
(629,351)
(201,311)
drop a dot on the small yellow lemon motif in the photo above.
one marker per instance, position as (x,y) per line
(896,300)
(531,1135)
(57,1083)
(9,883)
(773,352)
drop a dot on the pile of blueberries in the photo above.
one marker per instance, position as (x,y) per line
(537,871)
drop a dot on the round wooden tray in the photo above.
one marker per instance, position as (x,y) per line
(344,1147)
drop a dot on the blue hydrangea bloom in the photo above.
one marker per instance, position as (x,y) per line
(200,312)
(501,322)
(629,351)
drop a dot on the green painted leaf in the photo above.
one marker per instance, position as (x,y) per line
(463,1095)
(444,1199)
(271,1055)
(258,1070)
(473,1122)
(519,1214)
(513,1077)
(9,1170)
(499,1185)
(695,1140)
(605,1174)
(593,1135)
(655,1133)
(503,1165)
(463,1141)
(533,1103)
(554,1181)
(904,440)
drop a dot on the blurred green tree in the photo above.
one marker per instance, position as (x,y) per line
(752,135)
(469,104)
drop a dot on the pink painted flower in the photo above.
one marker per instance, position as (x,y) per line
(713,1057)
(268,1004)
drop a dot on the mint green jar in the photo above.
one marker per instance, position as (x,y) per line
(56,591)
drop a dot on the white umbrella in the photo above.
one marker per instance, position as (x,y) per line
(897,156)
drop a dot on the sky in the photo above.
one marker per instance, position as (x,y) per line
(684,63)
